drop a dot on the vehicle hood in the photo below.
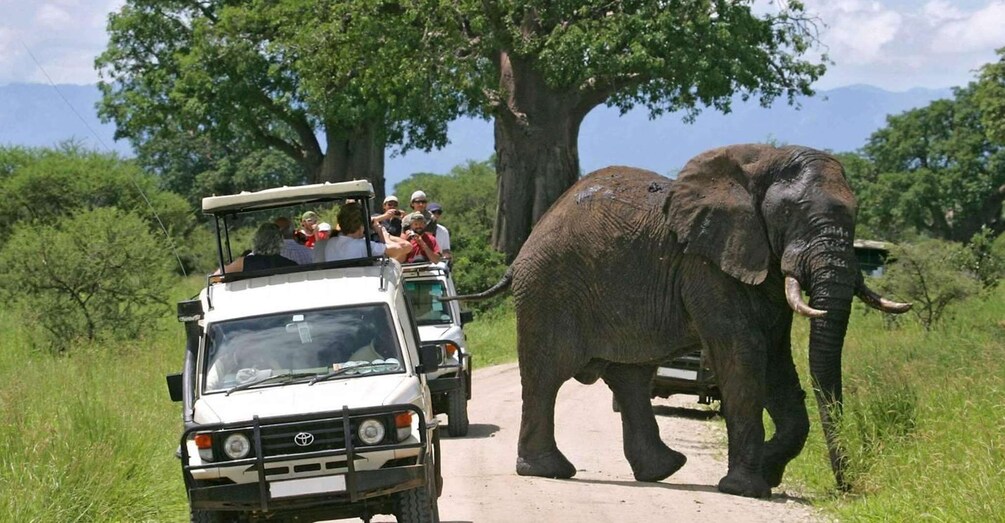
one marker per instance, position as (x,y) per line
(300,398)
(442,332)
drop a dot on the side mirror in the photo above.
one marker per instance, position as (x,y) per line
(174,383)
(467,317)
(430,356)
(190,310)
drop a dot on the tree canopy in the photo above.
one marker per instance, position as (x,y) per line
(932,170)
(292,76)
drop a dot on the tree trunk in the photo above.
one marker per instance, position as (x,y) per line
(353,155)
(537,155)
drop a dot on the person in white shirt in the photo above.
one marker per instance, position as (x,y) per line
(350,243)
(442,233)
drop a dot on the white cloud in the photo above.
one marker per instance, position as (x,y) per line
(978,30)
(52,17)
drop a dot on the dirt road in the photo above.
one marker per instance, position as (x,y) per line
(480,484)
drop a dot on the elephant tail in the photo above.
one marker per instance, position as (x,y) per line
(503,284)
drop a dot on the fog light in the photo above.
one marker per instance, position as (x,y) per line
(371,432)
(236,446)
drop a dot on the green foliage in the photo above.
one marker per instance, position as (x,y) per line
(933,171)
(990,97)
(467,195)
(47,185)
(927,273)
(983,258)
(97,274)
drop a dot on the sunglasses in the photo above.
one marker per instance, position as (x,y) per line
(418,201)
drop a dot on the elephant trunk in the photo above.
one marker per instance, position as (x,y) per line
(832,287)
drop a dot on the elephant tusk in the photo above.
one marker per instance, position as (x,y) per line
(874,300)
(794,295)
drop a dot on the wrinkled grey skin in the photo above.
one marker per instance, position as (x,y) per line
(629,268)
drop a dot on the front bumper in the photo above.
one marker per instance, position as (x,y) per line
(458,378)
(325,486)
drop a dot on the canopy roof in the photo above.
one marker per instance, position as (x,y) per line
(282,196)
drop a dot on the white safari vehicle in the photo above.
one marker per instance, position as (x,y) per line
(440,321)
(304,388)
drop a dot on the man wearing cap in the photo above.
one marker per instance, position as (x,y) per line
(309,228)
(441,232)
(391,218)
(424,247)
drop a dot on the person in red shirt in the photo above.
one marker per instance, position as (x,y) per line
(424,246)
(308,228)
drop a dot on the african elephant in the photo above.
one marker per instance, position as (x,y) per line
(629,268)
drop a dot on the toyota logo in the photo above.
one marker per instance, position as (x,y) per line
(303,439)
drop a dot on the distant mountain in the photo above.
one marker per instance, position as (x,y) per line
(838,119)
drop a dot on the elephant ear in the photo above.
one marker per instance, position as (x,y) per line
(713,213)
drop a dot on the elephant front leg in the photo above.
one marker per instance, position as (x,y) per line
(786,404)
(650,458)
(740,370)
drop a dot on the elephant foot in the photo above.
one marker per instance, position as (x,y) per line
(658,466)
(550,465)
(772,473)
(746,485)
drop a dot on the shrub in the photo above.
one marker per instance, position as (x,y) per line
(927,274)
(98,274)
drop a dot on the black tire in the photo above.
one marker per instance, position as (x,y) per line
(209,516)
(457,413)
(417,505)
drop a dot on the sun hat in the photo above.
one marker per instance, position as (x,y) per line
(418,195)
(391,198)
(309,215)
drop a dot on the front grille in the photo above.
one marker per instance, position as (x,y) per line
(327,434)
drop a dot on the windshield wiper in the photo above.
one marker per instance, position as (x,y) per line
(344,370)
(289,376)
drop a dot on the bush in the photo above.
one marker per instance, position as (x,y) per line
(928,274)
(47,185)
(98,274)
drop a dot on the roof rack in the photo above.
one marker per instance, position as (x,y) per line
(425,267)
(281,196)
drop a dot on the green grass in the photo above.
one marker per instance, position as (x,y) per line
(90,436)
(924,420)
(492,336)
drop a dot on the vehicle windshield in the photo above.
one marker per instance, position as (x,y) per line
(426,305)
(303,344)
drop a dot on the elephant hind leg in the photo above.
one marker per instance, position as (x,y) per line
(649,457)
(537,451)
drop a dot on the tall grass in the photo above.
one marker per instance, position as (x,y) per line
(90,435)
(924,421)
(492,336)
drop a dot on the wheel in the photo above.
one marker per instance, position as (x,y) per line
(417,505)
(457,413)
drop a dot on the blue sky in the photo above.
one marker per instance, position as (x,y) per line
(893,44)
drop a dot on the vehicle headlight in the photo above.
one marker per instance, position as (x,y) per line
(371,431)
(236,446)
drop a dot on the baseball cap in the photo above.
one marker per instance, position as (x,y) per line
(407,220)
(324,226)
(391,198)
(434,207)
(418,195)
